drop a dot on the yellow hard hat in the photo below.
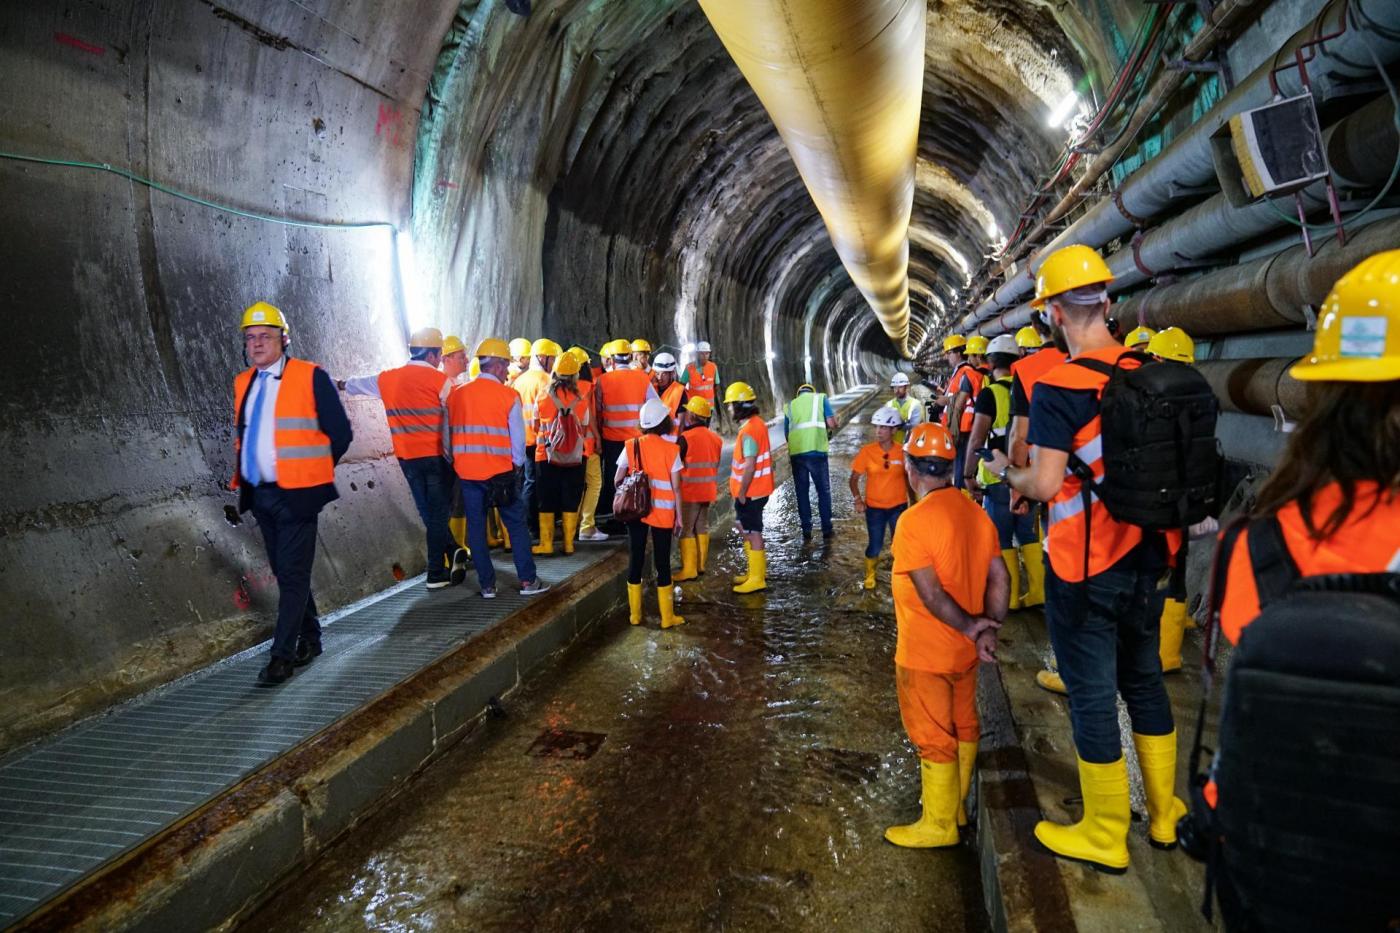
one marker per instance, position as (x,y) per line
(1138,336)
(640,346)
(452,344)
(566,364)
(580,354)
(1028,338)
(545,347)
(493,346)
(1173,343)
(519,347)
(620,347)
(739,392)
(976,345)
(1067,269)
(474,368)
(263,314)
(1358,331)
(699,406)
(429,338)
(954,342)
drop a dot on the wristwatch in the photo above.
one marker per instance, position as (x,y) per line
(1002,475)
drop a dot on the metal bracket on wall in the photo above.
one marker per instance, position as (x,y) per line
(1310,316)
(1281,423)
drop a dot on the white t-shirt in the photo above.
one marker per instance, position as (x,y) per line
(622,460)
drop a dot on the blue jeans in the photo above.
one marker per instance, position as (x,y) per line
(959,458)
(529,491)
(809,469)
(512,516)
(1104,632)
(877,523)
(430,481)
(997,500)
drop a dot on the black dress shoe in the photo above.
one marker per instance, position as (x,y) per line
(459,566)
(277,672)
(306,652)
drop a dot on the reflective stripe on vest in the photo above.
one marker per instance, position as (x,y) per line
(700,470)
(807,424)
(702,381)
(303,451)
(1001,389)
(413,409)
(531,386)
(621,394)
(906,410)
(762,482)
(479,416)
(657,456)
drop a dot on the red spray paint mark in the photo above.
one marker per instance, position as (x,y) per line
(444,183)
(390,124)
(79,44)
(241,597)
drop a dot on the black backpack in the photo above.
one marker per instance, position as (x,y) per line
(1299,817)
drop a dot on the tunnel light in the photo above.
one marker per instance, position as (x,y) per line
(771,356)
(1063,110)
(414,311)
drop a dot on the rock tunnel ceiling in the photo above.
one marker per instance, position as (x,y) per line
(597,169)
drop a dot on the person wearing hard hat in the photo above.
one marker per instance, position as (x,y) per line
(519,359)
(701,376)
(660,460)
(701,449)
(641,355)
(911,411)
(531,385)
(585,363)
(564,439)
(967,382)
(1040,358)
(1173,343)
(454,360)
(1139,337)
(991,421)
(808,421)
(953,346)
(671,391)
(593,460)
(886,489)
(618,396)
(949,586)
(290,430)
(1102,603)
(487,446)
(414,395)
(750,482)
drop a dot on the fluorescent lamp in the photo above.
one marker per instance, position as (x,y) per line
(1062,111)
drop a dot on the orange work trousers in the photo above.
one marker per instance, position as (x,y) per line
(938,710)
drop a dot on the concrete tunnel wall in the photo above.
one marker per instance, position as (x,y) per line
(597,170)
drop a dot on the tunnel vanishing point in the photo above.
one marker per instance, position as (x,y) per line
(821,189)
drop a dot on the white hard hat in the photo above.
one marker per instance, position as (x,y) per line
(702,347)
(1004,344)
(887,417)
(664,363)
(899,379)
(654,411)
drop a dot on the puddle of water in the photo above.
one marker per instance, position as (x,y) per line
(735,773)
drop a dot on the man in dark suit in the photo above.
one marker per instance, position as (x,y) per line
(291,432)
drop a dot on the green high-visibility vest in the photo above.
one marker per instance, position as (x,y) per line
(807,424)
(1001,427)
(906,411)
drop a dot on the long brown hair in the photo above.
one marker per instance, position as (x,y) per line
(1350,435)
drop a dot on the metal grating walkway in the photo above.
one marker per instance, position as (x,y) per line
(70,803)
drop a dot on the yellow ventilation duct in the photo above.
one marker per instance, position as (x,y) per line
(843,82)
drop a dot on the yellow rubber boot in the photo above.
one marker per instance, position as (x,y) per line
(1157,757)
(505,535)
(1013,567)
(1050,680)
(689,565)
(570,531)
(748,551)
(546,545)
(870,563)
(493,538)
(1033,557)
(1173,628)
(1100,839)
(665,598)
(634,603)
(937,827)
(758,573)
(967,763)
(703,544)
(458,527)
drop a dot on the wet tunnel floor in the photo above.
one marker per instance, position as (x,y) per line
(734,773)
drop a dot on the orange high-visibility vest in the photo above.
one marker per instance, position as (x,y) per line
(413,404)
(1031,369)
(532,386)
(655,456)
(672,397)
(478,414)
(700,473)
(702,381)
(762,482)
(303,450)
(975,377)
(618,397)
(1109,539)
(548,411)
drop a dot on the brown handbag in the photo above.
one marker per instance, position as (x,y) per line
(632,500)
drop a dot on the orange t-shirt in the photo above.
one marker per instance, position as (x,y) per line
(884,476)
(949,532)
(1369,542)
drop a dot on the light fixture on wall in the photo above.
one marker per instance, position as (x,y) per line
(1062,111)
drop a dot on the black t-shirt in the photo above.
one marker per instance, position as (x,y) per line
(1020,405)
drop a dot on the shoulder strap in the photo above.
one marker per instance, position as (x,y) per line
(1097,366)
(1275,571)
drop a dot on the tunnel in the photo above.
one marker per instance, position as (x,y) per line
(585,170)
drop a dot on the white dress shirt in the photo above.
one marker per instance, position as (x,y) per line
(263,447)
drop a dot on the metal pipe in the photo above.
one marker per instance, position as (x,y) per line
(843,82)
(1185,165)
(1253,387)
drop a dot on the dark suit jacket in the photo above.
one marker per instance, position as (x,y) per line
(335,424)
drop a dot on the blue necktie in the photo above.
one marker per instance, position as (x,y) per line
(250,450)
